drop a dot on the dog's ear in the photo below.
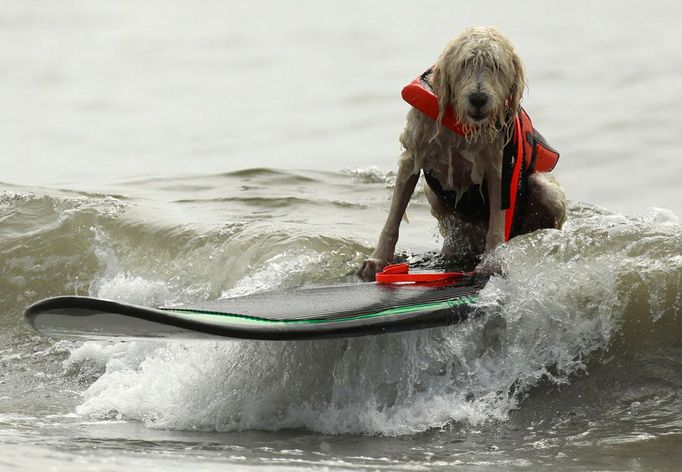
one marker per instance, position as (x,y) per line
(519,83)
(441,87)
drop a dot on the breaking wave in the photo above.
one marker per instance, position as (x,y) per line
(566,302)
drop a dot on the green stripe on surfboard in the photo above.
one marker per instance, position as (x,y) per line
(194,314)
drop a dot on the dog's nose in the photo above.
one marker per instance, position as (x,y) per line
(478,99)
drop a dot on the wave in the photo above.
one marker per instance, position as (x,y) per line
(60,244)
(567,299)
(566,304)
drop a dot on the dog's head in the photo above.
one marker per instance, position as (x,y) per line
(480,76)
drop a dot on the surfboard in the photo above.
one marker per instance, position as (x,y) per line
(305,313)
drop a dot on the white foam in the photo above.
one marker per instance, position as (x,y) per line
(133,289)
(564,296)
(379,385)
(289,266)
(371,175)
(392,384)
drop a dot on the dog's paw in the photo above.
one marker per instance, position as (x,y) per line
(369,268)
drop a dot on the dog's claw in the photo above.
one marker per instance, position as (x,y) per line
(369,268)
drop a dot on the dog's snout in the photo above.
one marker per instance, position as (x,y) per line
(478,99)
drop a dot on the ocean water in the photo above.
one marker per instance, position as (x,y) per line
(166,152)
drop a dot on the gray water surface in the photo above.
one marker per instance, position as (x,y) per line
(174,152)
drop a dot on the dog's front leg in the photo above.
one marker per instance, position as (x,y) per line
(383,254)
(495,234)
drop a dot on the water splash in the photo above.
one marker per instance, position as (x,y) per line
(563,298)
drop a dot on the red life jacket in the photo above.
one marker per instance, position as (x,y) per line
(527,142)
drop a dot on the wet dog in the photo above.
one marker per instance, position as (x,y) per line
(481,78)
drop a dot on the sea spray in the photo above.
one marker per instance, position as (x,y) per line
(559,302)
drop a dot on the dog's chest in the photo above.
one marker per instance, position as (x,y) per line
(452,170)
(455,162)
(454,165)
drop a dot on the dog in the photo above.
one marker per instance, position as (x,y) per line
(480,77)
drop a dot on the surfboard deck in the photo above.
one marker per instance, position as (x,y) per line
(305,313)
